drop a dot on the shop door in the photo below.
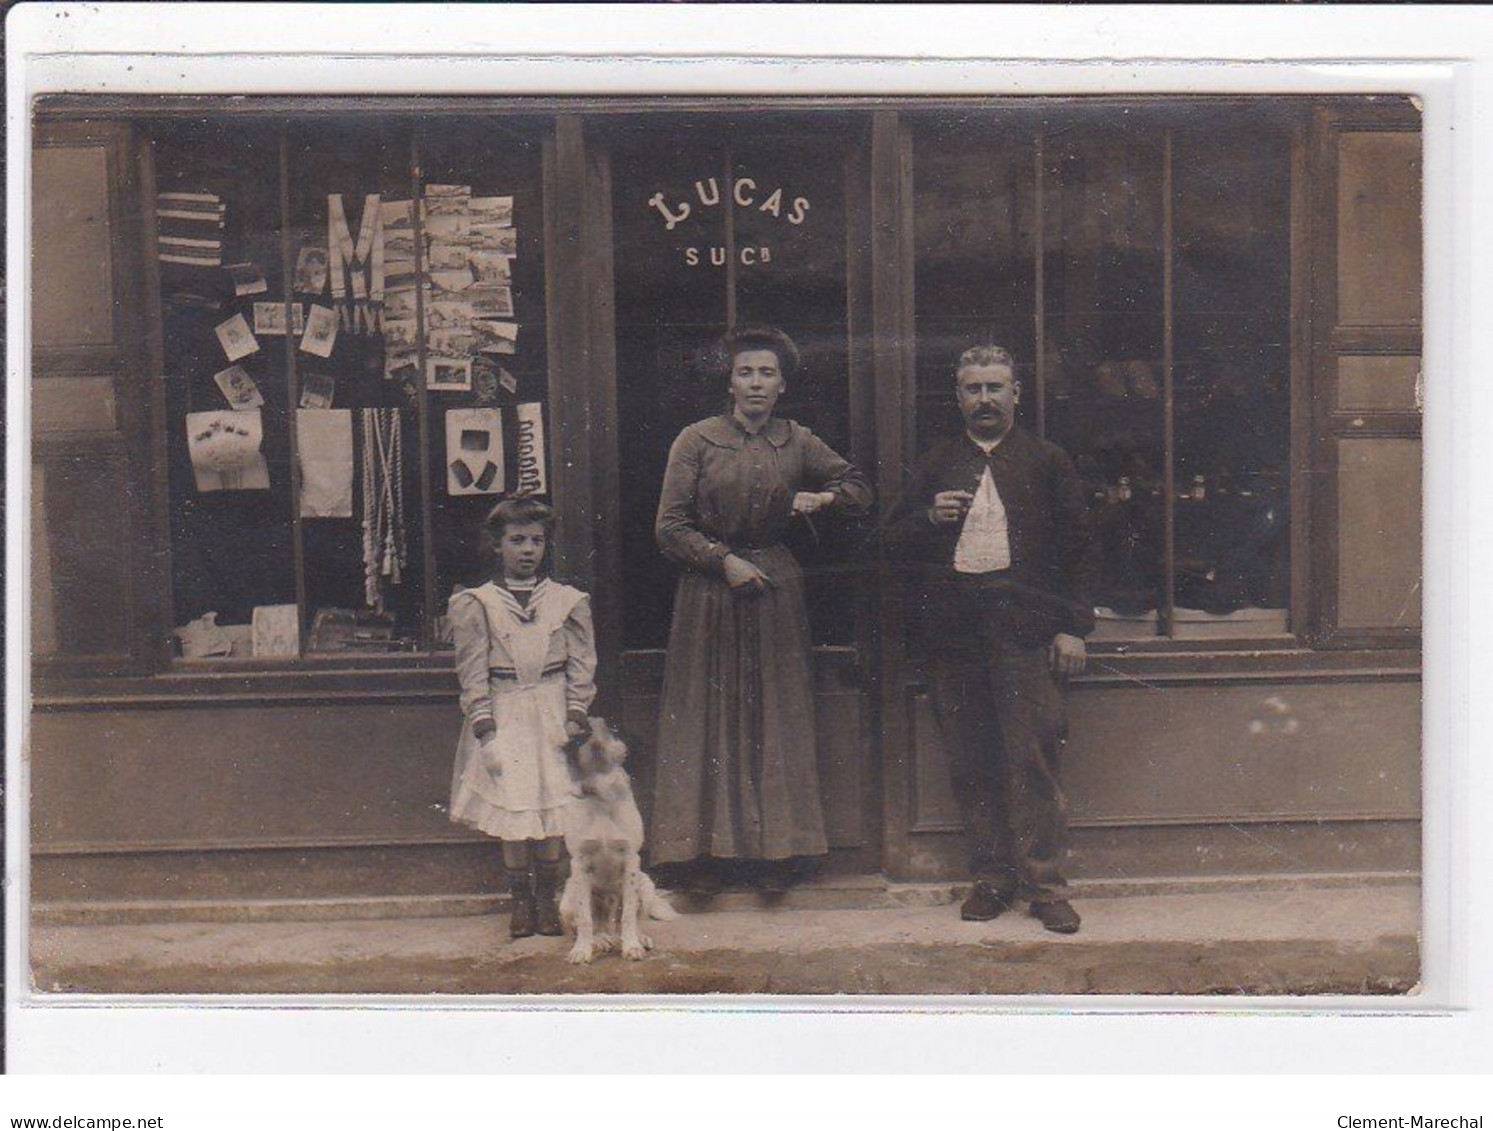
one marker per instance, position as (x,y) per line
(716,223)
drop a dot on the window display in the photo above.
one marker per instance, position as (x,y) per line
(310,468)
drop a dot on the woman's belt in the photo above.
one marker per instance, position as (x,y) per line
(509,673)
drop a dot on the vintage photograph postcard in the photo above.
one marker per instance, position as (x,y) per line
(924,546)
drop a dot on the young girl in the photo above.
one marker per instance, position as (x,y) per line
(526,658)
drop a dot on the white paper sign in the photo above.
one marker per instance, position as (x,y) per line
(225,448)
(474,451)
(324,439)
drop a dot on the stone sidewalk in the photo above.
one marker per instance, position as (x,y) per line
(1338,940)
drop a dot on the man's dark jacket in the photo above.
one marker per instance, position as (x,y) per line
(1049,587)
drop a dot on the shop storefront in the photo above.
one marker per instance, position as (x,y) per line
(271,399)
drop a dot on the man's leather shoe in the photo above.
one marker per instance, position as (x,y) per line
(1057,916)
(984,903)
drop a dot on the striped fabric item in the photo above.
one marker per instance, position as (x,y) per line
(189,228)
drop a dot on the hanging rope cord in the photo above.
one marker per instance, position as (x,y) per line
(385,549)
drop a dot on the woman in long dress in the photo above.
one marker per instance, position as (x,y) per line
(737,775)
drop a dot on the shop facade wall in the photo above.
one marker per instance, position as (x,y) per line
(292,801)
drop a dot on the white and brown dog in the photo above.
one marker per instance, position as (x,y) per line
(608,892)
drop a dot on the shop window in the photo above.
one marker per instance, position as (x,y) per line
(1057,239)
(316,501)
(763,242)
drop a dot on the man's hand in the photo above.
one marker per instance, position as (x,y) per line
(949,507)
(1067,654)
(744,578)
(575,725)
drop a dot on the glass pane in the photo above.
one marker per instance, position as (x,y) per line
(974,278)
(1378,229)
(671,306)
(231,533)
(1104,349)
(496,160)
(336,167)
(1232,379)
(80,598)
(71,306)
(1379,532)
(788,216)
(1375,382)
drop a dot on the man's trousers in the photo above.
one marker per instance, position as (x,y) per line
(1000,711)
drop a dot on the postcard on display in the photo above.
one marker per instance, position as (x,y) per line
(402,365)
(239,387)
(311,270)
(448,226)
(491,267)
(459,341)
(398,244)
(451,281)
(399,304)
(447,200)
(269,318)
(448,256)
(317,390)
(236,338)
(400,333)
(492,210)
(396,215)
(247,278)
(321,332)
(447,313)
(276,631)
(400,275)
(490,301)
(449,374)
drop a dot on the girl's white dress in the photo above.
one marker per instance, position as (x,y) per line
(524,667)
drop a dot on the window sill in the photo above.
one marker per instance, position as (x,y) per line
(430,679)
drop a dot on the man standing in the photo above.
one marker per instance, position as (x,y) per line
(995,525)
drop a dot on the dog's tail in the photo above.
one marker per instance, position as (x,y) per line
(655,905)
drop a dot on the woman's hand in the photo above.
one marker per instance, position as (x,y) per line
(807,502)
(744,578)
(1067,654)
(483,730)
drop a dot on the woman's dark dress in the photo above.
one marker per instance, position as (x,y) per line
(737,772)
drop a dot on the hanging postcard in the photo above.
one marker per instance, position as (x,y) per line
(224,445)
(276,631)
(531,456)
(403,366)
(317,390)
(398,305)
(311,270)
(474,451)
(449,374)
(321,332)
(496,337)
(239,387)
(247,278)
(236,338)
(496,210)
(489,267)
(324,442)
(269,318)
(490,302)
